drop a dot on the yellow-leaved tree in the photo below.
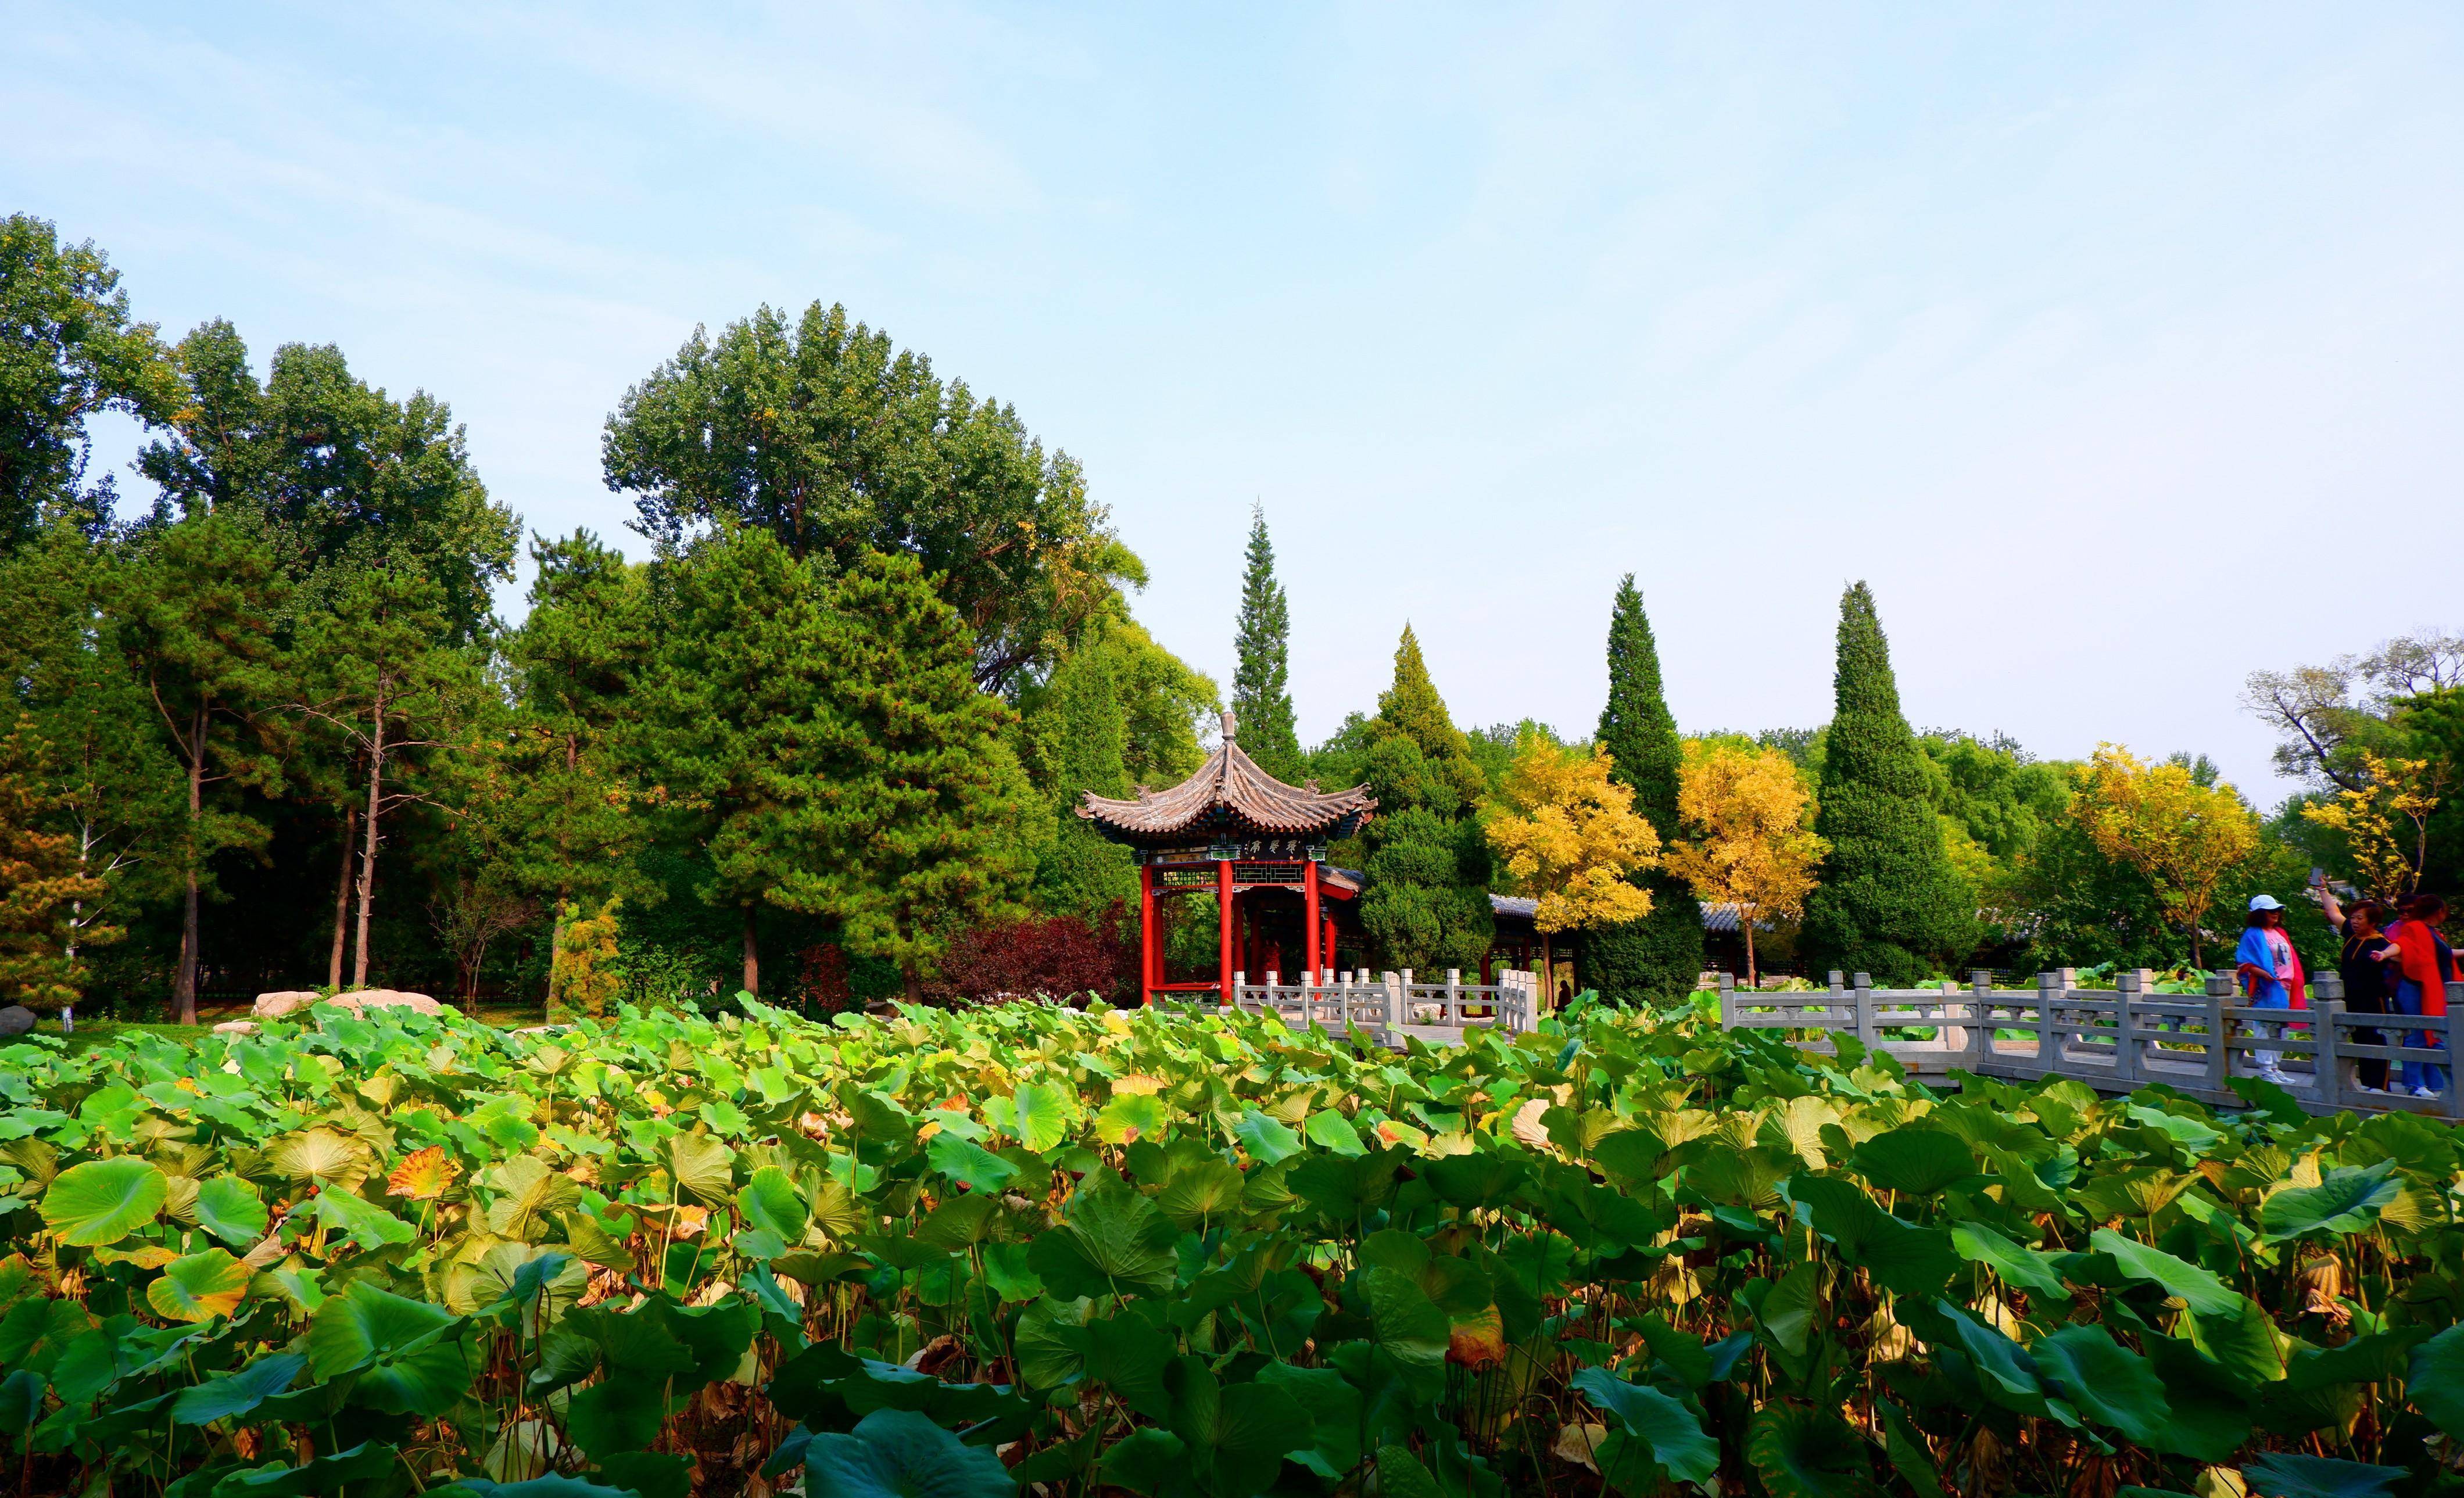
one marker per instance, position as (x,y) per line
(1569,836)
(1753,845)
(2390,810)
(582,977)
(2157,818)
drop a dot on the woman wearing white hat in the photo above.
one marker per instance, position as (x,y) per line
(2270,972)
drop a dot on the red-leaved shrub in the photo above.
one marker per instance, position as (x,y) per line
(1056,956)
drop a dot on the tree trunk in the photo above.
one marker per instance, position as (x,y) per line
(368,847)
(343,900)
(751,952)
(1548,973)
(184,986)
(913,978)
(1746,920)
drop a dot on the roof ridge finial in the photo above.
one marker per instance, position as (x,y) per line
(1231,726)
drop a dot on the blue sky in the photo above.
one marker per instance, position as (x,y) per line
(2117,346)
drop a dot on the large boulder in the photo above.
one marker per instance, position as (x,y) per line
(236,1027)
(16,1019)
(389,999)
(288,1000)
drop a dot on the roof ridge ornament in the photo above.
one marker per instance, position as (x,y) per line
(1231,727)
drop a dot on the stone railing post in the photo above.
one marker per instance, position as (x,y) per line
(1865,1030)
(2220,987)
(2327,1061)
(2456,1051)
(1980,1035)
(2048,1044)
(1454,996)
(1727,1001)
(1239,986)
(2127,987)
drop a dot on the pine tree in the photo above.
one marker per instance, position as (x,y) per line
(1084,738)
(732,718)
(1262,698)
(568,813)
(1889,904)
(1659,957)
(1427,902)
(202,601)
(914,832)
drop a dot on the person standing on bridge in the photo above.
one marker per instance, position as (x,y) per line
(2426,964)
(2270,972)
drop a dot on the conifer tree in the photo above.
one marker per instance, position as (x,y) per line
(1084,738)
(568,808)
(1262,698)
(1660,956)
(1888,903)
(1427,902)
(202,602)
(915,833)
(732,718)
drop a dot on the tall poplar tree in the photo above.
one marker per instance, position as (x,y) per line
(1262,698)
(1427,905)
(1659,957)
(1888,903)
(68,349)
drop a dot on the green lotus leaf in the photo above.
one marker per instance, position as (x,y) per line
(362,1222)
(2196,1288)
(528,1193)
(2106,1382)
(1201,1194)
(1109,1240)
(702,1166)
(199,1288)
(1401,1475)
(967,1163)
(2345,1200)
(404,1350)
(323,1157)
(2285,1474)
(1234,1437)
(231,1209)
(102,1201)
(238,1392)
(2028,1269)
(2436,1381)
(901,1454)
(769,1200)
(1808,1453)
(365,1462)
(1916,1161)
(1669,1436)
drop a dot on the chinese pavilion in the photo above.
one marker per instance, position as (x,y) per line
(1251,840)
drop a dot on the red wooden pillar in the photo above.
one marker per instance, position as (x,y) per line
(1149,940)
(1310,918)
(1223,935)
(1326,943)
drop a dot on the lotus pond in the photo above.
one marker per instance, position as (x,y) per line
(1037,1250)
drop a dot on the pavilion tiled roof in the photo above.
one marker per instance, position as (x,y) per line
(1228,792)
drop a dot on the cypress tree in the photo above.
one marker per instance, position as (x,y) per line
(1660,956)
(1262,697)
(1085,743)
(1427,901)
(1888,903)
